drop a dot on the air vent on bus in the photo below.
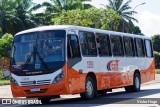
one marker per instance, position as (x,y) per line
(40,82)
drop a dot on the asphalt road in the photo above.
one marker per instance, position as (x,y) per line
(117,98)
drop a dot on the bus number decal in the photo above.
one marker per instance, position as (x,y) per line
(90,64)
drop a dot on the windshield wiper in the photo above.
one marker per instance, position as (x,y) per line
(33,54)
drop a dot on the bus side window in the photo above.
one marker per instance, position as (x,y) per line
(103,45)
(117,46)
(88,43)
(74,55)
(128,46)
(148,47)
(139,47)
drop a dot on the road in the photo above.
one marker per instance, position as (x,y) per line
(117,98)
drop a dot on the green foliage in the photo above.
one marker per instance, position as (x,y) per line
(157,59)
(137,30)
(156,43)
(156,48)
(6,40)
(93,17)
(55,7)
(125,12)
(4,82)
(110,20)
(16,15)
(157,71)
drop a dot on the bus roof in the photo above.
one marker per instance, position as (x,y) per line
(69,27)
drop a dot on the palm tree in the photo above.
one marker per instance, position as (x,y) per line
(55,7)
(8,20)
(125,12)
(16,15)
(24,11)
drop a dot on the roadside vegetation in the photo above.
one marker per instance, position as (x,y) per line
(157,71)
(3,80)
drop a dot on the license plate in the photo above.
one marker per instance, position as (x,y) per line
(34,89)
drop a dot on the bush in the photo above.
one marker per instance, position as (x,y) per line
(157,59)
(157,71)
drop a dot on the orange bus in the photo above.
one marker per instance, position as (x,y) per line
(50,61)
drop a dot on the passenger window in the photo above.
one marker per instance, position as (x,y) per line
(104,45)
(148,48)
(88,44)
(139,47)
(117,46)
(128,46)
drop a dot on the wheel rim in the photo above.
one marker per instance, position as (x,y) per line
(137,82)
(89,88)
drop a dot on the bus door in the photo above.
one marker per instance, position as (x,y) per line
(73,53)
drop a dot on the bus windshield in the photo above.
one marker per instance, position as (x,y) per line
(38,51)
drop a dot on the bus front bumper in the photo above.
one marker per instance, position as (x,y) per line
(45,90)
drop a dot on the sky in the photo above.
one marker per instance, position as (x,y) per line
(148,14)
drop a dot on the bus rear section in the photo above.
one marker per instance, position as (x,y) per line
(78,60)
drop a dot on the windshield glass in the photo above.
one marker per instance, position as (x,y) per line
(38,51)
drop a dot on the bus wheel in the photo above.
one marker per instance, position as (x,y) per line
(45,100)
(90,89)
(136,84)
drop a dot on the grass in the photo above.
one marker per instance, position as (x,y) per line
(157,71)
(4,82)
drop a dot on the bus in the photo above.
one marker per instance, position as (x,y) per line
(50,61)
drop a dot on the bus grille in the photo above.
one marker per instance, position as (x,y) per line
(31,83)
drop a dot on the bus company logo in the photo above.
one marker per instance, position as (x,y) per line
(113,65)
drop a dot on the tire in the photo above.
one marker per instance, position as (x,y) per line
(45,100)
(136,84)
(90,89)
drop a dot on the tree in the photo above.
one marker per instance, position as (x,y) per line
(6,40)
(137,30)
(125,12)
(156,42)
(156,48)
(24,11)
(55,7)
(8,20)
(16,15)
(157,59)
(93,17)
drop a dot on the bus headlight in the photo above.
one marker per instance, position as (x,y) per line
(14,81)
(58,78)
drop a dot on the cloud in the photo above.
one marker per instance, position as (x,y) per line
(149,23)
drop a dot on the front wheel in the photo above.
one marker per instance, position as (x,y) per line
(136,84)
(90,89)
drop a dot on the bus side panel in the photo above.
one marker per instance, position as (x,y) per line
(76,81)
(148,74)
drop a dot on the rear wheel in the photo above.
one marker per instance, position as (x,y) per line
(90,88)
(136,84)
